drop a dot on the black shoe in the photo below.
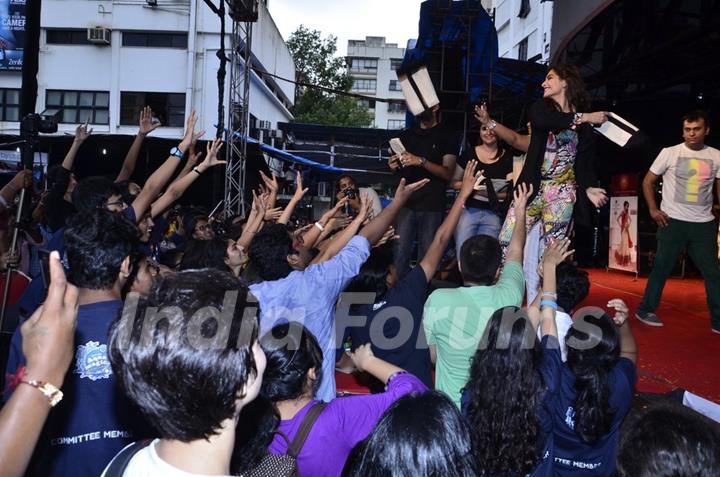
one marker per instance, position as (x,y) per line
(649,318)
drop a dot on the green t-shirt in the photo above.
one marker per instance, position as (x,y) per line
(455,320)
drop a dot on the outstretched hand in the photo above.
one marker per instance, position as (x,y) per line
(299,190)
(190,135)
(211,152)
(482,114)
(471,178)
(621,311)
(557,252)
(521,195)
(597,196)
(82,132)
(404,191)
(49,334)
(146,121)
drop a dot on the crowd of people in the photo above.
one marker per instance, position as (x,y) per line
(163,340)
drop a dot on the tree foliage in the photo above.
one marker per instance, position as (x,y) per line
(316,64)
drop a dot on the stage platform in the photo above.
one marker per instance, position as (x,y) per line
(682,354)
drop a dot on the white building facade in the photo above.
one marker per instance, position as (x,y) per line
(372,63)
(524,29)
(163,56)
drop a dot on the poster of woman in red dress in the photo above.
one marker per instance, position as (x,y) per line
(623,233)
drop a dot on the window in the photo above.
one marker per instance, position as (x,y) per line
(155,40)
(80,106)
(396,123)
(524,8)
(523,50)
(169,108)
(67,37)
(367,103)
(395,85)
(365,85)
(395,63)
(9,105)
(363,65)
(396,107)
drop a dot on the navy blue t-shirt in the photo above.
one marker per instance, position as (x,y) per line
(550,370)
(400,310)
(95,419)
(572,456)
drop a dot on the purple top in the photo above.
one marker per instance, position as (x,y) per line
(343,423)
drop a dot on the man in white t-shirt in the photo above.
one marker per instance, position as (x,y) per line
(684,218)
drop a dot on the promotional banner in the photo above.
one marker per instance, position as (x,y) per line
(623,233)
(12,34)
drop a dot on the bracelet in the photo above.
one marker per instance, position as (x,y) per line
(393,376)
(320,226)
(491,125)
(195,169)
(550,294)
(578,119)
(51,392)
(422,161)
(549,303)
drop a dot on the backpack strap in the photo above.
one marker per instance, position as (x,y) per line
(305,428)
(117,466)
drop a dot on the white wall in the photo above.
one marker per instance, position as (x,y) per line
(383,53)
(537,27)
(115,68)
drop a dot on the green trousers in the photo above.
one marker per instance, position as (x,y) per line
(701,242)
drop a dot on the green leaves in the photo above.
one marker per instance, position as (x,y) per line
(316,64)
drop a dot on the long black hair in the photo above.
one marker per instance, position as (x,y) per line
(420,435)
(505,390)
(291,352)
(591,366)
(205,254)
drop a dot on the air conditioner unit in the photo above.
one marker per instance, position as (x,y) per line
(264,125)
(99,35)
(276,133)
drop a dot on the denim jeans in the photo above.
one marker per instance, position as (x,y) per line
(412,225)
(474,222)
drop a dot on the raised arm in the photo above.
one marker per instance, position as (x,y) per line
(146,127)
(311,236)
(517,241)
(48,348)
(521,142)
(272,186)
(159,178)
(341,239)
(542,310)
(178,188)
(628,347)
(432,257)
(364,360)
(21,180)
(374,230)
(294,201)
(254,221)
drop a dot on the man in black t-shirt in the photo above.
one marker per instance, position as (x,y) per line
(431,153)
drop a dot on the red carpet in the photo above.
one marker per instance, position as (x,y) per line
(684,353)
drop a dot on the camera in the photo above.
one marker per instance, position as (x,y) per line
(350,193)
(34,124)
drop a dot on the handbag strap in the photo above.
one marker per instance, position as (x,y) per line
(305,428)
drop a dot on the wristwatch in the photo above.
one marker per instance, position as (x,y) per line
(177,152)
(53,394)
(422,162)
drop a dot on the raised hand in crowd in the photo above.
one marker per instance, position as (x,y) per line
(82,132)
(48,343)
(386,237)
(300,192)
(621,311)
(190,136)
(146,122)
(272,186)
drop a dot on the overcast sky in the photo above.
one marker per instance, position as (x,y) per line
(397,20)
